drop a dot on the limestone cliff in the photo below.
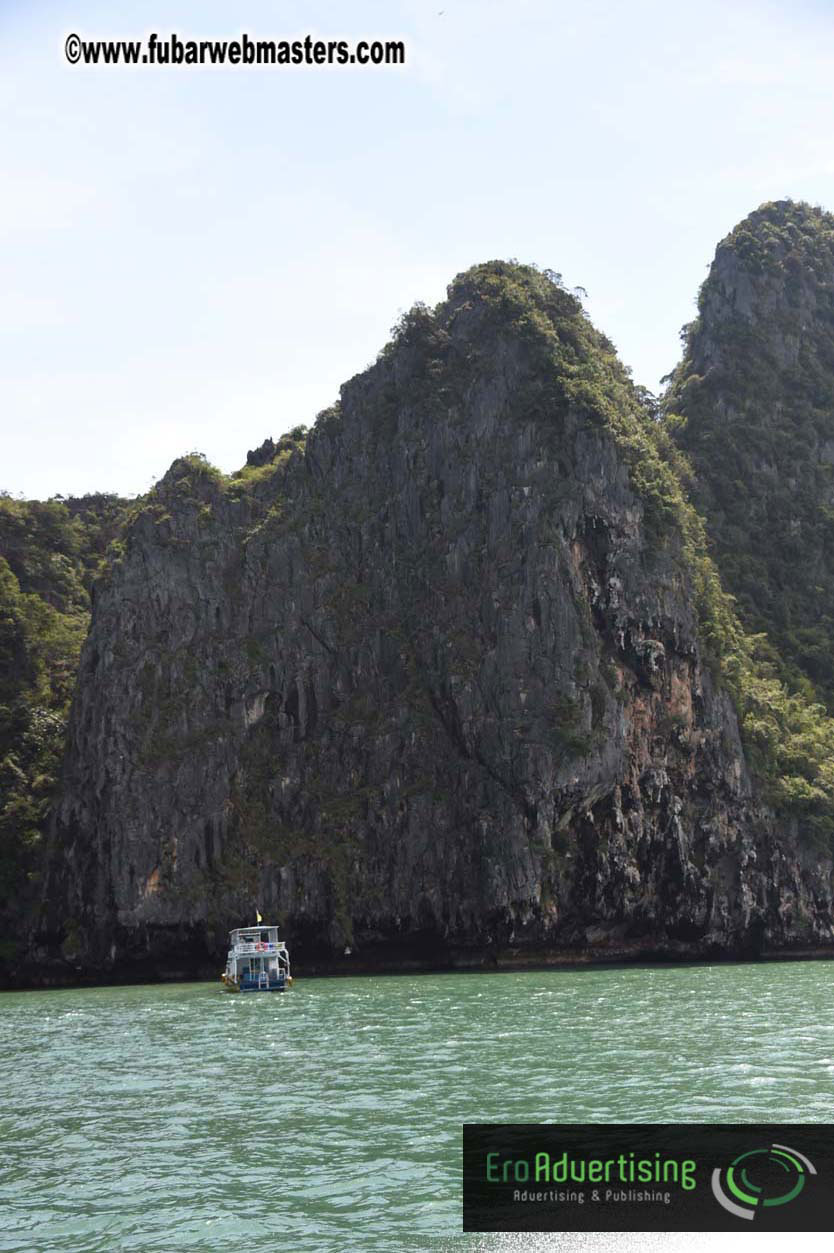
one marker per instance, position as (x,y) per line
(754,399)
(437,682)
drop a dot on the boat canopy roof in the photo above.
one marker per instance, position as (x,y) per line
(255,929)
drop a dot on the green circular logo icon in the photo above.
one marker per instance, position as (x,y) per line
(761,1178)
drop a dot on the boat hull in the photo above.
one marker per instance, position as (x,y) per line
(231,985)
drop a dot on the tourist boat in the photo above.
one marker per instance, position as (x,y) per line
(258,961)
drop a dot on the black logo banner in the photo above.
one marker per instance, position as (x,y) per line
(648,1177)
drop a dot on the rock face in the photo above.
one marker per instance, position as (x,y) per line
(756,391)
(428,685)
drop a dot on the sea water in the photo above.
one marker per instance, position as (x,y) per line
(176,1116)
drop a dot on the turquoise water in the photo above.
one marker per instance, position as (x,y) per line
(179,1117)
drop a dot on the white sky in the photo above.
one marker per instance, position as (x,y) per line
(196,259)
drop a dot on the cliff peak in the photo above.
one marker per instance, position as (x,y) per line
(753,406)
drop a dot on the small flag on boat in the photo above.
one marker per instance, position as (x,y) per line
(258,917)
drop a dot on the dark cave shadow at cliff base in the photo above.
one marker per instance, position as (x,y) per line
(350,967)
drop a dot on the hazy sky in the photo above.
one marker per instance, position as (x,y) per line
(197,258)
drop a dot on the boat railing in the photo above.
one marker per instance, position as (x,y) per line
(241,950)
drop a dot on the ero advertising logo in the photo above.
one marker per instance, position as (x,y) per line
(648,1177)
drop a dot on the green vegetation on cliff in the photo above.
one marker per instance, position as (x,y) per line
(49,552)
